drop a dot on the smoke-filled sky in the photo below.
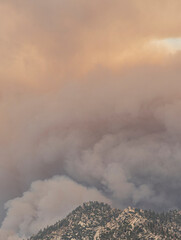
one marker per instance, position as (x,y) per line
(90,106)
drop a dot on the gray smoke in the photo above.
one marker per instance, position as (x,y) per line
(121,137)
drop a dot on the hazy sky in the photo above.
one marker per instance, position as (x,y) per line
(90,106)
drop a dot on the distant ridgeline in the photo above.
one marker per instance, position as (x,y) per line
(95,221)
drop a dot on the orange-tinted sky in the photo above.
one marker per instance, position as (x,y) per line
(62,39)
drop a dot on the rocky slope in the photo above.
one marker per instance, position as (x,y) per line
(98,221)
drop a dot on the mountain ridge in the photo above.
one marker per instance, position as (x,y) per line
(98,221)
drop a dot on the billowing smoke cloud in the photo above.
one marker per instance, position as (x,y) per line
(45,203)
(85,98)
(115,135)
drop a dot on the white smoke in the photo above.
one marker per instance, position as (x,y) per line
(45,203)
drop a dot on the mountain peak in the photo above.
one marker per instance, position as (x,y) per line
(98,221)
